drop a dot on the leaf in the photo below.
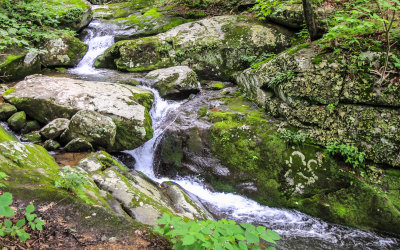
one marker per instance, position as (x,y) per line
(30,208)
(188,240)
(20,223)
(23,236)
(6,211)
(251,237)
(242,245)
(5,199)
(8,223)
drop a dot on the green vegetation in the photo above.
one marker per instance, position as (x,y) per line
(291,137)
(351,153)
(210,234)
(281,78)
(70,179)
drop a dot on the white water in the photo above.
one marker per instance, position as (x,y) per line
(299,231)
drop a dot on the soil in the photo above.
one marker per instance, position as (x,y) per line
(68,159)
(59,233)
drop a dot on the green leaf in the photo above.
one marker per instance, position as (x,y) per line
(188,240)
(5,200)
(242,245)
(20,223)
(7,223)
(6,211)
(30,208)
(251,237)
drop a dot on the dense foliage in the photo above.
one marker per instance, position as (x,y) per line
(210,234)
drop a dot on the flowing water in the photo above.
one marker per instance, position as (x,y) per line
(298,231)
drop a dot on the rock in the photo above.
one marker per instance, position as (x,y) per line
(174,83)
(97,129)
(18,65)
(5,135)
(51,145)
(236,148)
(54,128)
(137,19)
(214,47)
(75,14)
(319,95)
(125,158)
(78,145)
(30,126)
(47,98)
(6,110)
(140,197)
(17,120)
(65,51)
(291,15)
(32,137)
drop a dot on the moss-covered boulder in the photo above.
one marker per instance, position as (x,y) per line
(54,128)
(213,47)
(47,98)
(174,83)
(72,14)
(331,99)
(30,126)
(138,195)
(239,149)
(62,51)
(137,20)
(17,121)
(79,145)
(17,65)
(6,110)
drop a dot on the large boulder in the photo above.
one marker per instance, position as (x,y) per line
(47,98)
(321,94)
(137,19)
(174,83)
(139,196)
(236,148)
(17,65)
(214,47)
(65,51)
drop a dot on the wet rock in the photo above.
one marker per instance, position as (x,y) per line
(65,51)
(54,128)
(78,145)
(212,47)
(6,110)
(138,195)
(17,121)
(51,145)
(174,83)
(47,98)
(97,129)
(30,126)
(125,158)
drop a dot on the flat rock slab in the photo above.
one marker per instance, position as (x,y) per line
(47,98)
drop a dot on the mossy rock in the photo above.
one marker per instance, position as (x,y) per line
(17,66)
(213,47)
(6,110)
(17,121)
(6,136)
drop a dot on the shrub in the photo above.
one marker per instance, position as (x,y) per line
(70,179)
(351,153)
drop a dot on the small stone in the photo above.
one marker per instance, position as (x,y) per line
(112,239)
(6,110)
(17,121)
(31,126)
(103,238)
(54,128)
(51,145)
(79,145)
(33,137)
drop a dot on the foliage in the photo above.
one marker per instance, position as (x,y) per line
(24,23)
(3,176)
(281,78)
(70,179)
(351,153)
(210,234)
(331,107)
(7,227)
(293,137)
(264,7)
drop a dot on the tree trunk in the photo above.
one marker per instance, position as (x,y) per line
(309,16)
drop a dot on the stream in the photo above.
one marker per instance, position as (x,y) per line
(298,230)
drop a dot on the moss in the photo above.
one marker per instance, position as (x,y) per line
(154,12)
(317,59)
(6,136)
(202,111)
(107,161)
(217,86)
(145,99)
(297,48)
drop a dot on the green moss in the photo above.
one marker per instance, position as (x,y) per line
(145,99)
(202,111)
(154,12)
(297,48)
(218,86)
(6,136)
(317,59)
